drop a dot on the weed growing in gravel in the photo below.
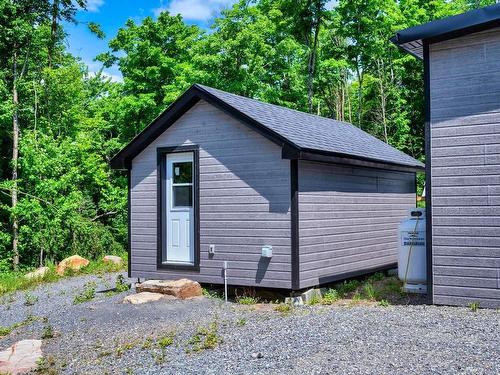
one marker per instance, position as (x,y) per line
(47,366)
(30,299)
(473,306)
(247,300)
(120,286)
(125,348)
(314,300)
(330,296)
(165,341)
(284,308)
(241,322)
(48,332)
(205,338)
(347,287)
(384,303)
(210,293)
(148,343)
(87,294)
(4,331)
(370,293)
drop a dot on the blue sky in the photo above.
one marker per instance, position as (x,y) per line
(112,14)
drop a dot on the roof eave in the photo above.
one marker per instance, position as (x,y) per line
(340,158)
(448,28)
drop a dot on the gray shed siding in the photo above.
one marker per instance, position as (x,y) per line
(465,169)
(348,219)
(244,202)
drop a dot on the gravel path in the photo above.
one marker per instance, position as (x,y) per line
(105,336)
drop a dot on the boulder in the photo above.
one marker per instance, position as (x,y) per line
(74,262)
(183,288)
(112,259)
(144,297)
(38,273)
(21,357)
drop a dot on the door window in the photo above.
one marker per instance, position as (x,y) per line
(182,184)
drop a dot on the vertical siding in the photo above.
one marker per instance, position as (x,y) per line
(348,218)
(465,162)
(244,202)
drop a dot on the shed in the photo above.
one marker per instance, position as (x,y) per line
(461,57)
(220,177)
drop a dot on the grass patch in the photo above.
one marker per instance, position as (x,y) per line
(4,331)
(473,306)
(120,286)
(241,322)
(247,300)
(331,296)
(14,281)
(87,294)
(284,308)
(211,293)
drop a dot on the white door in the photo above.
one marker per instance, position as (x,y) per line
(180,217)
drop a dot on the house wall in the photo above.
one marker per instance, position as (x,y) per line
(465,169)
(244,202)
(348,219)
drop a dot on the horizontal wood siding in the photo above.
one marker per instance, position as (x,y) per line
(348,218)
(244,202)
(465,160)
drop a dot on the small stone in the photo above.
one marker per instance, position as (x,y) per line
(38,273)
(295,301)
(74,262)
(112,259)
(183,288)
(21,357)
(257,355)
(144,297)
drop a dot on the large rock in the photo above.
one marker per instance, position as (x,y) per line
(21,357)
(183,288)
(144,297)
(74,262)
(38,273)
(112,259)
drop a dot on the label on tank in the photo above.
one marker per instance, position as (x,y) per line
(412,238)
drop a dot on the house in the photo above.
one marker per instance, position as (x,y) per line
(461,57)
(290,200)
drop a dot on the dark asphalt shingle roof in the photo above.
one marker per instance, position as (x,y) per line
(315,133)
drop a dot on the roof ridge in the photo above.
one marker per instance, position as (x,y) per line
(278,106)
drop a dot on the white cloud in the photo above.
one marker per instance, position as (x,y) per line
(112,74)
(331,4)
(194,10)
(94,5)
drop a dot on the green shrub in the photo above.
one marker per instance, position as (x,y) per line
(330,297)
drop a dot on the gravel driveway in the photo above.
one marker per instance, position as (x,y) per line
(105,336)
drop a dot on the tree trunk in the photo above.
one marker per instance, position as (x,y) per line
(53,31)
(15,156)
(359,75)
(311,65)
(383,97)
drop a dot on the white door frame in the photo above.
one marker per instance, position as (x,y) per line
(178,211)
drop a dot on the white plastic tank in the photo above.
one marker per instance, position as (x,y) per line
(412,258)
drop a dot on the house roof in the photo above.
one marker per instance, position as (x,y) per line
(295,130)
(412,39)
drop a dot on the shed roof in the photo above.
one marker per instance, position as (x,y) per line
(297,130)
(412,39)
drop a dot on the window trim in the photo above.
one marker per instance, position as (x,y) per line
(162,153)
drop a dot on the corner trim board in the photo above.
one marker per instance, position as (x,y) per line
(428,175)
(129,223)
(294,208)
(161,153)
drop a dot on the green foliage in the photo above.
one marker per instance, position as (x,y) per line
(85,295)
(48,332)
(165,341)
(330,296)
(205,338)
(335,62)
(247,300)
(284,308)
(30,299)
(473,306)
